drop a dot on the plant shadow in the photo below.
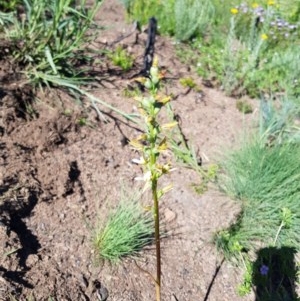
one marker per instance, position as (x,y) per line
(274,274)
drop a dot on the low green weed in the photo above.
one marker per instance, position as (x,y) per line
(209,60)
(188,82)
(245,287)
(244,106)
(121,58)
(131,92)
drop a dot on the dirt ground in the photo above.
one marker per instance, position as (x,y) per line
(58,177)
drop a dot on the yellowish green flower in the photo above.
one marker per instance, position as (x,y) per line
(255,5)
(136,144)
(271,2)
(234,11)
(264,37)
(163,145)
(163,99)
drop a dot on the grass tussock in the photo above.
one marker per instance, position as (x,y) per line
(127,229)
(267,182)
(49,38)
(263,176)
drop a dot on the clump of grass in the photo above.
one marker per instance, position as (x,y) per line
(266,181)
(278,124)
(191,18)
(258,173)
(51,38)
(50,44)
(126,231)
(263,175)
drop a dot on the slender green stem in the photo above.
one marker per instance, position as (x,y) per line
(157,240)
(154,181)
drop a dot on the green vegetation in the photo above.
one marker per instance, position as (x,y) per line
(183,18)
(266,181)
(11,5)
(188,82)
(244,107)
(131,92)
(245,47)
(121,58)
(256,58)
(126,230)
(151,145)
(263,175)
(49,45)
(51,38)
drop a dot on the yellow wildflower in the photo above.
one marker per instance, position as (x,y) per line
(234,11)
(271,2)
(255,5)
(264,37)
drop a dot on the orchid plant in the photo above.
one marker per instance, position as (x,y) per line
(150,145)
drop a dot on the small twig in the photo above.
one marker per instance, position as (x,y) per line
(145,271)
(213,279)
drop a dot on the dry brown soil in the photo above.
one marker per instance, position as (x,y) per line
(57,178)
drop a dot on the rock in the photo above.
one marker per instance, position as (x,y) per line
(32,260)
(169,215)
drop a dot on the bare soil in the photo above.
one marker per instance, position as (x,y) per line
(57,178)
